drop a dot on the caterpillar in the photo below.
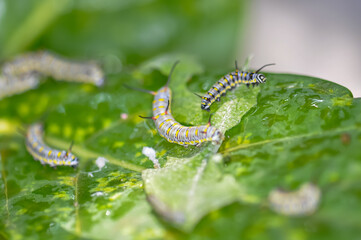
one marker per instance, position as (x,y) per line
(14,85)
(49,64)
(43,153)
(297,203)
(173,131)
(229,82)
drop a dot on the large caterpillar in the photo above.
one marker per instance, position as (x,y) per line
(14,85)
(43,153)
(231,81)
(173,131)
(297,203)
(49,64)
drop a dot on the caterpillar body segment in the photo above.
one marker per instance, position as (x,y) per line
(175,132)
(43,153)
(229,82)
(15,85)
(303,201)
(49,64)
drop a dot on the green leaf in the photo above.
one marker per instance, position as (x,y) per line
(288,131)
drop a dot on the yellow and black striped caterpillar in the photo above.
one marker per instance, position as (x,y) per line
(231,81)
(297,203)
(173,131)
(43,153)
(49,64)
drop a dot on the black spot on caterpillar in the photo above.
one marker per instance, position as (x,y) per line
(43,153)
(229,82)
(173,131)
(297,203)
(49,64)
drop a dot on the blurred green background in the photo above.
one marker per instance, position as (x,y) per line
(123,32)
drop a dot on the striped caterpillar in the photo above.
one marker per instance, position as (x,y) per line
(43,153)
(173,131)
(14,85)
(297,203)
(48,64)
(229,82)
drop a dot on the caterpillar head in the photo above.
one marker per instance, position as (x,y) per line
(217,137)
(260,78)
(94,74)
(71,160)
(205,104)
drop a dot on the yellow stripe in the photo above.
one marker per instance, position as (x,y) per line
(176,134)
(196,132)
(168,130)
(59,154)
(215,89)
(49,153)
(41,149)
(220,84)
(187,132)
(231,77)
(160,99)
(210,94)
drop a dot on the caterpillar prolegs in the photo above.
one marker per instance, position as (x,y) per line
(173,131)
(229,82)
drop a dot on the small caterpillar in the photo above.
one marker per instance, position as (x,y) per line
(173,131)
(297,203)
(229,82)
(14,85)
(43,153)
(48,64)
